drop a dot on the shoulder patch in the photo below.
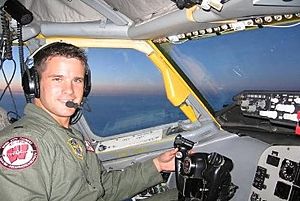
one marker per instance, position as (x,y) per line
(18,153)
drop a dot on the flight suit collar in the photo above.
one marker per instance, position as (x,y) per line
(38,113)
(32,110)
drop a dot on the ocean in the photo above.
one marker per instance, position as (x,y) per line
(109,115)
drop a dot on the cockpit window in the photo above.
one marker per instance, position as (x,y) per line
(127,93)
(223,66)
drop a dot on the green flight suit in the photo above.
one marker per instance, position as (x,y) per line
(40,160)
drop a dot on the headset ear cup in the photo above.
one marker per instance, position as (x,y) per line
(36,80)
(25,82)
(87,83)
(30,83)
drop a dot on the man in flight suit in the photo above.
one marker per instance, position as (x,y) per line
(42,157)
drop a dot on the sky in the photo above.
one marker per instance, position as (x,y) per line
(222,66)
(130,71)
(274,50)
(117,70)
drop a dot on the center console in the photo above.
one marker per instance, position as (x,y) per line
(277,175)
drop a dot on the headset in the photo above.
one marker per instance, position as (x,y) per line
(31,80)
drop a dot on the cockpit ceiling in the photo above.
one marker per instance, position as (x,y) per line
(143,10)
(58,11)
(94,10)
(137,19)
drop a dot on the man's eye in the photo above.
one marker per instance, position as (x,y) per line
(79,80)
(56,79)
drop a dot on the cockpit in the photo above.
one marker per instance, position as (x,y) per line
(218,80)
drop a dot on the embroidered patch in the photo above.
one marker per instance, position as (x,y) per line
(89,146)
(18,153)
(75,148)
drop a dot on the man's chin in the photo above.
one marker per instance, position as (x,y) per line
(66,112)
(70,112)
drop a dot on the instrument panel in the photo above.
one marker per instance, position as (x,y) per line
(277,175)
(277,106)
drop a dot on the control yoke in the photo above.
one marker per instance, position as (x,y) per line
(202,176)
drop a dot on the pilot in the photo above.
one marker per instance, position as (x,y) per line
(42,157)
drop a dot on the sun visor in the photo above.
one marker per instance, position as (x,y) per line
(62,11)
(143,10)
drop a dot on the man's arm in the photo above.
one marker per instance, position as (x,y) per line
(21,165)
(119,185)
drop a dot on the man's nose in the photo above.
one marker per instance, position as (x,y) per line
(68,87)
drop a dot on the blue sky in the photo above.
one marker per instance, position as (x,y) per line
(121,69)
(222,66)
(275,52)
(109,64)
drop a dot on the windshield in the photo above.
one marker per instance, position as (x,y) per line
(222,66)
(128,92)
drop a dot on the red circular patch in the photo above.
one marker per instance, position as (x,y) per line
(18,153)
